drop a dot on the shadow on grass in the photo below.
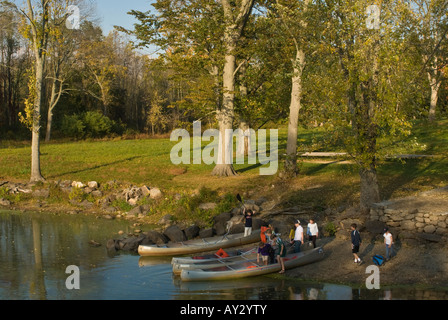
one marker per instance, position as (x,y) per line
(94,168)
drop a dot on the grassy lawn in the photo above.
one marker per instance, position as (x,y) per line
(322,182)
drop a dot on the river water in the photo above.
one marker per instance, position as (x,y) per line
(37,248)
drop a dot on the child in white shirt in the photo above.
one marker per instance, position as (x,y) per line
(388,242)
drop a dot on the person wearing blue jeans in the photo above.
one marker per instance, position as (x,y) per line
(298,237)
(388,242)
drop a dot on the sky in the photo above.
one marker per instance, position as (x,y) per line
(114,12)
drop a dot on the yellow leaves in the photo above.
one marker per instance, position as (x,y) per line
(27,117)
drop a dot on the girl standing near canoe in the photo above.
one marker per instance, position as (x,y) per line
(281,251)
(314,231)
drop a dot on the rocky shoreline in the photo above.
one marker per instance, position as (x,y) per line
(420,249)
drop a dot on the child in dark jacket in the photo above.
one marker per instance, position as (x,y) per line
(356,242)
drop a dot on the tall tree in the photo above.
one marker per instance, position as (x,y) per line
(291,17)
(429,23)
(37,30)
(236,15)
(365,38)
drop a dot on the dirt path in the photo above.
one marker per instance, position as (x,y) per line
(411,265)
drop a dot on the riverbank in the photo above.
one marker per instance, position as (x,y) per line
(424,265)
(422,261)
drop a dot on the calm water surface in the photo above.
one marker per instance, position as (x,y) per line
(36,248)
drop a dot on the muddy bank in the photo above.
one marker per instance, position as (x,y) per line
(424,265)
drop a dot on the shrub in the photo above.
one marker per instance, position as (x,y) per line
(92,124)
(73,126)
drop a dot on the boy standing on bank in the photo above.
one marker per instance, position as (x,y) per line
(356,242)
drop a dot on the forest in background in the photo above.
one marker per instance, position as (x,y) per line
(362,70)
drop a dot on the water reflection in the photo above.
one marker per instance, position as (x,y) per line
(35,250)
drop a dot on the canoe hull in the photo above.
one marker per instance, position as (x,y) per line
(212,256)
(249,270)
(196,246)
(214,263)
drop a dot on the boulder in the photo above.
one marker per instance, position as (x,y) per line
(92,185)
(97,194)
(5,203)
(131,244)
(155,193)
(220,223)
(78,184)
(112,245)
(192,232)
(145,191)
(155,237)
(206,233)
(429,229)
(175,234)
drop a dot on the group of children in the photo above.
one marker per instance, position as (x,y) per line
(273,246)
(296,237)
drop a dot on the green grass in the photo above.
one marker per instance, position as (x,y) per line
(147,161)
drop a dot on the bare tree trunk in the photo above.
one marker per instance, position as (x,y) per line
(54,99)
(36,174)
(39,39)
(435,86)
(291,168)
(233,31)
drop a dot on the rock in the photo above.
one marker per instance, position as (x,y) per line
(133,201)
(220,224)
(108,217)
(112,245)
(5,203)
(346,223)
(92,184)
(65,184)
(192,232)
(136,211)
(166,219)
(110,209)
(78,184)
(206,233)
(175,234)
(155,193)
(97,194)
(375,227)
(145,191)
(88,190)
(156,237)
(93,243)
(86,204)
(131,244)
(429,229)
(407,225)
(207,206)
(42,193)
(430,237)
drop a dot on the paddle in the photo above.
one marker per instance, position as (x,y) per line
(240,200)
